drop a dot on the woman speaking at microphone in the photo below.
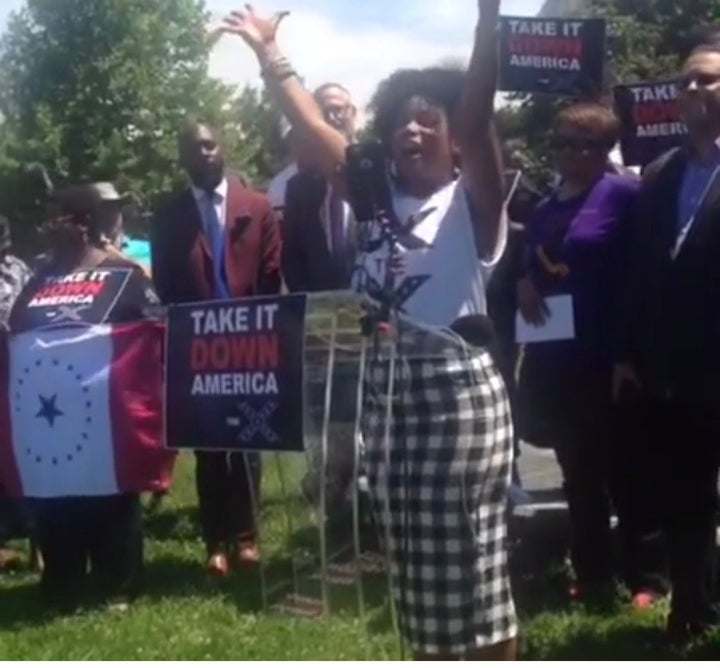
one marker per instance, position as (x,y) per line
(451,450)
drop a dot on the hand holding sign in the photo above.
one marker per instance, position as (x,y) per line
(257,30)
(489,11)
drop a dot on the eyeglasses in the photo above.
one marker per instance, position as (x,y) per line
(559,142)
(335,114)
(700,80)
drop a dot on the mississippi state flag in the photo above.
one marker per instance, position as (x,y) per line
(80,412)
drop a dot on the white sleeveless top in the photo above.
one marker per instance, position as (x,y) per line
(442,277)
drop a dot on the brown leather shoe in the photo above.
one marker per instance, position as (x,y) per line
(10,560)
(217,565)
(247,553)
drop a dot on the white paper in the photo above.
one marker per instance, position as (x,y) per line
(559,324)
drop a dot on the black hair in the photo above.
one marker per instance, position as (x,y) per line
(710,36)
(439,86)
(74,210)
(704,40)
(707,48)
(189,127)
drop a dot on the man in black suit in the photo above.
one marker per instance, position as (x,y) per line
(669,353)
(316,259)
(311,262)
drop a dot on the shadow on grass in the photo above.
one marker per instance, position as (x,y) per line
(629,641)
(181,523)
(536,560)
(21,605)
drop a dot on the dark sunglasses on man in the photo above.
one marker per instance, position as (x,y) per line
(338,116)
(700,80)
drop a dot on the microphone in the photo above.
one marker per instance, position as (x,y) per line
(477,330)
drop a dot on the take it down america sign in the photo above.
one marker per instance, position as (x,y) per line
(234,375)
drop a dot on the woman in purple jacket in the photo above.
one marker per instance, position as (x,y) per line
(576,244)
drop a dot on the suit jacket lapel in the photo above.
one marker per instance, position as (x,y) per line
(325,251)
(237,215)
(706,213)
(191,237)
(669,194)
(708,209)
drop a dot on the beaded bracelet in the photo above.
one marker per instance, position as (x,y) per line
(278,70)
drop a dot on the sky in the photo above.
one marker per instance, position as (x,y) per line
(353,42)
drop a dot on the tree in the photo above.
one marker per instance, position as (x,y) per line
(96,90)
(258,151)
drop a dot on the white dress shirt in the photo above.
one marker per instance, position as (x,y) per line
(278,186)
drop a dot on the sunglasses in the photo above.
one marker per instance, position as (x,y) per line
(559,142)
(337,116)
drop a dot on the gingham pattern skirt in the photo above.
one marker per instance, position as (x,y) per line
(448,476)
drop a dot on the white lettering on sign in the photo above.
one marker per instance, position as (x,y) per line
(546,62)
(235,384)
(655,93)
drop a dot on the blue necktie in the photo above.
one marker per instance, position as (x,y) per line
(216,239)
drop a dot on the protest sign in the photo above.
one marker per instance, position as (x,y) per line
(85,296)
(234,374)
(650,119)
(556,56)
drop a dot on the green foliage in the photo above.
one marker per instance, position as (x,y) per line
(96,90)
(254,143)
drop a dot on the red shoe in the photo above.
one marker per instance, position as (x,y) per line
(10,560)
(247,553)
(645,599)
(218,566)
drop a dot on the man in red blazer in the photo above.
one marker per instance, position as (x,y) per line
(218,239)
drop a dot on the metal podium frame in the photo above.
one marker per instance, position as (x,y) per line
(333,334)
(341,329)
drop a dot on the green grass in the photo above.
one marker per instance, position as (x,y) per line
(183,615)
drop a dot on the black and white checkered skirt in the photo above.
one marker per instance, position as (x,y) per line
(450,458)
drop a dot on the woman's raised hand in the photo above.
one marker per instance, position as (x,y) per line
(257,30)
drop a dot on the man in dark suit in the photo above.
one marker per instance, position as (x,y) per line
(218,239)
(311,261)
(317,257)
(669,350)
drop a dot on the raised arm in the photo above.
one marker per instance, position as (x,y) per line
(298,104)
(479,145)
